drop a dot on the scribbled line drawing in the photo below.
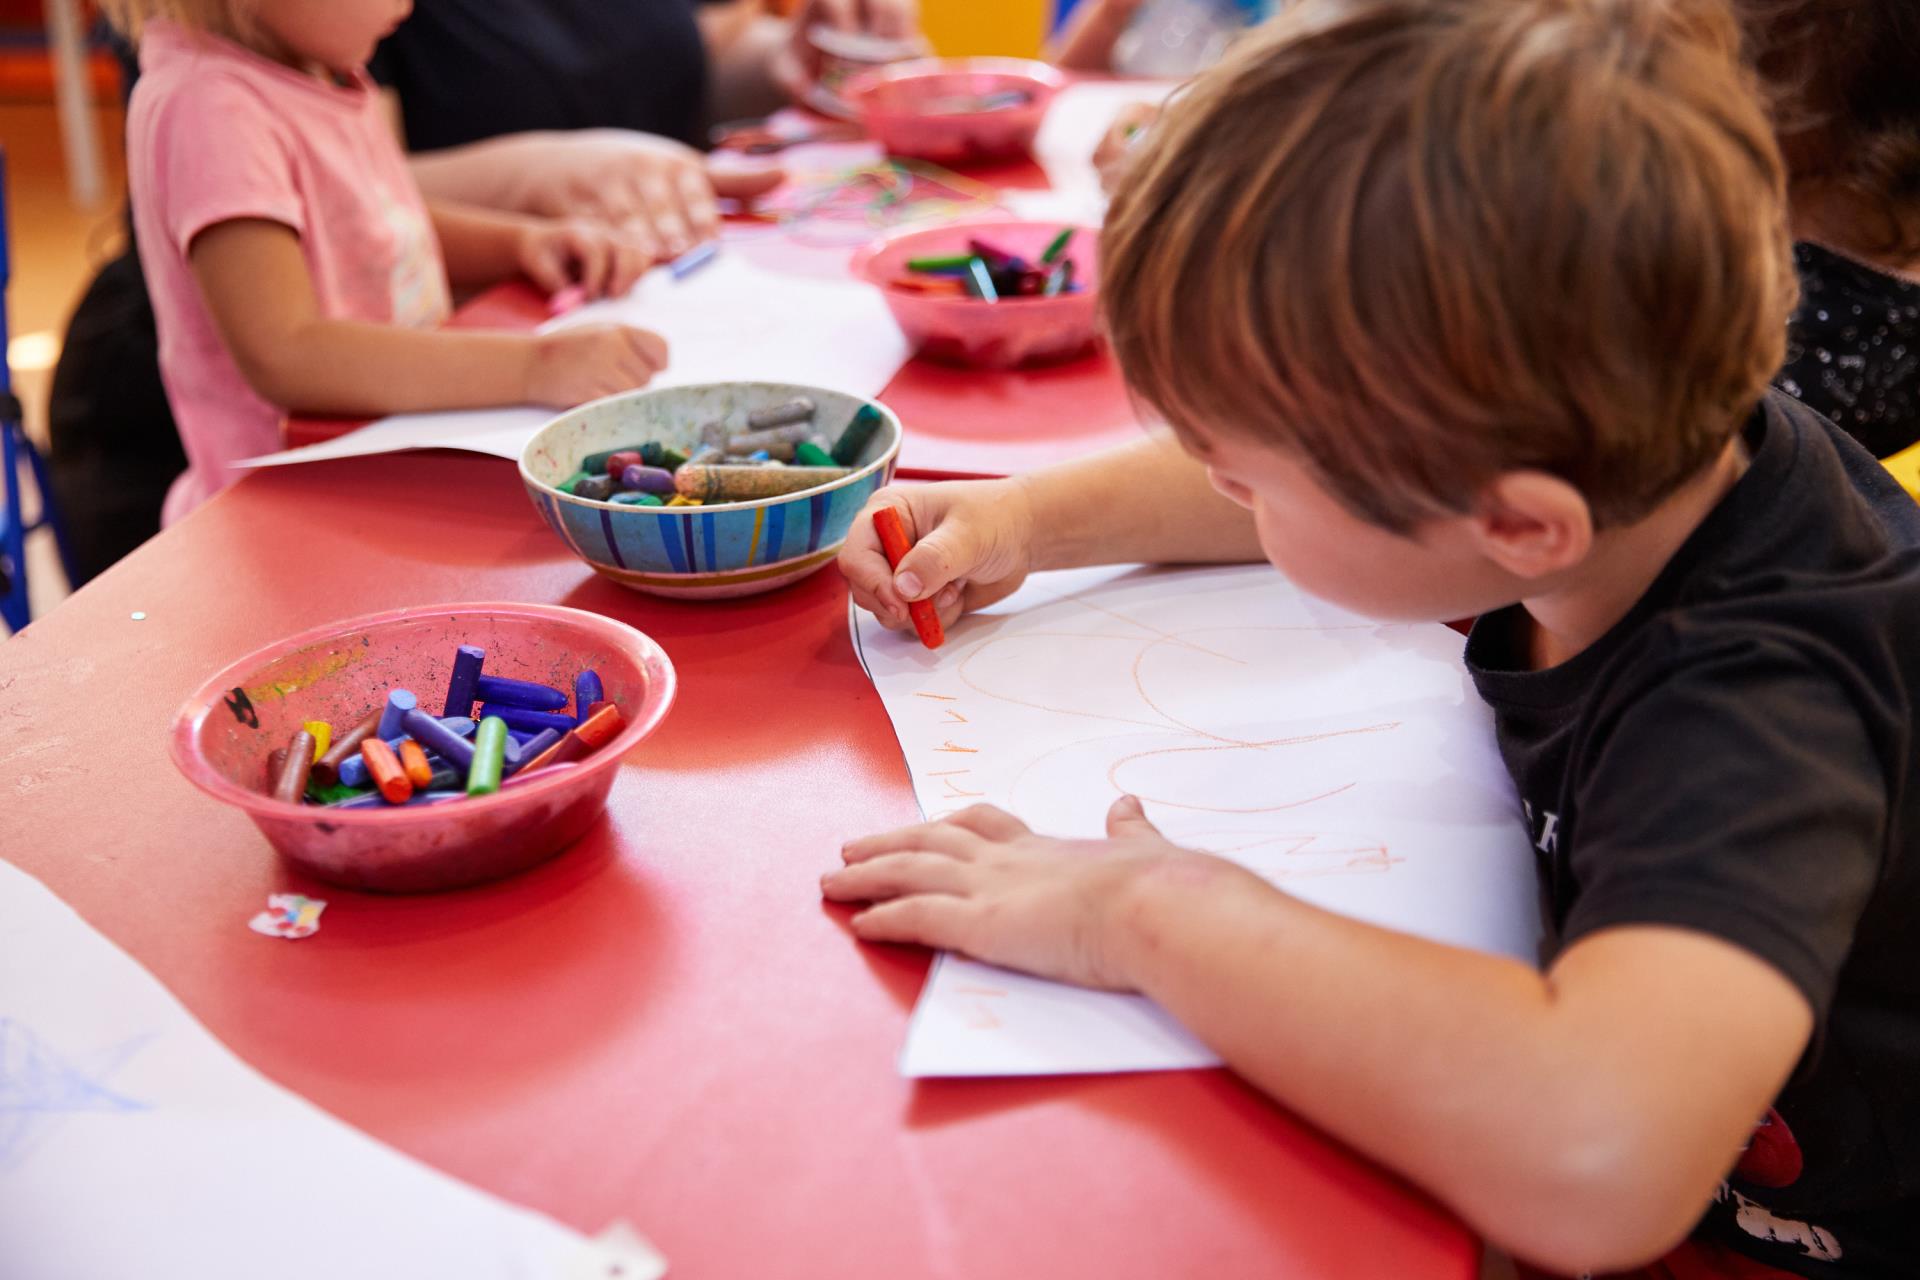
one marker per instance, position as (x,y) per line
(39,1087)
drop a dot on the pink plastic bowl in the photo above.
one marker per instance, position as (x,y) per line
(338,673)
(991,335)
(899,105)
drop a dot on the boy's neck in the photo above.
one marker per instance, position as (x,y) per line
(1623,565)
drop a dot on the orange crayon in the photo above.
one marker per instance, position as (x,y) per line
(893,541)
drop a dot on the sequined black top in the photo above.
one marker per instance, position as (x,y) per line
(1853,349)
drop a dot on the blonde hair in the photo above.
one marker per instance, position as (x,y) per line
(1422,242)
(219,16)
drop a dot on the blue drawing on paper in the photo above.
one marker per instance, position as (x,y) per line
(39,1087)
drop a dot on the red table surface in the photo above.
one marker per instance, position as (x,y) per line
(664,1024)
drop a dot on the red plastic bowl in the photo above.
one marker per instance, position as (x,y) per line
(338,673)
(993,335)
(901,106)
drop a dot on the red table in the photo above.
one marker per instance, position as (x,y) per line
(664,1024)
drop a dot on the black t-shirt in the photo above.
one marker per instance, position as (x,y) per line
(472,69)
(1737,757)
(1853,351)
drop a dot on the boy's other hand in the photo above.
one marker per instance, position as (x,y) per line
(983,884)
(1114,152)
(972,541)
(556,254)
(573,366)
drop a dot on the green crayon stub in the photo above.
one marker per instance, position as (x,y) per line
(334,794)
(945,262)
(566,486)
(1058,245)
(809,454)
(489,757)
(853,441)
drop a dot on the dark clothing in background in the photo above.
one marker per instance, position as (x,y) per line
(1853,349)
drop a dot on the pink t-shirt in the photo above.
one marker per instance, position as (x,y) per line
(218,132)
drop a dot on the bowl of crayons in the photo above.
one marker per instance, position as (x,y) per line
(427,748)
(995,295)
(955,110)
(710,491)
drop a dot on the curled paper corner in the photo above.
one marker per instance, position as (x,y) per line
(618,1253)
(289,915)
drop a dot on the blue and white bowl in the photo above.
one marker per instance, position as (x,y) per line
(717,550)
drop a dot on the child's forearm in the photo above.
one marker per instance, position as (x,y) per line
(1472,1074)
(1146,502)
(350,369)
(1087,44)
(481,246)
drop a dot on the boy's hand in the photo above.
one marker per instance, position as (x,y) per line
(573,366)
(1115,150)
(558,253)
(972,546)
(983,884)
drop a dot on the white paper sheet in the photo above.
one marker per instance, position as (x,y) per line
(1348,761)
(132,1143)
(729,321)
(1076,121)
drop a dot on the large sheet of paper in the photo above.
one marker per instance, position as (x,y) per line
(132,1143)
(730,321)
(1347,761)
(1076,121)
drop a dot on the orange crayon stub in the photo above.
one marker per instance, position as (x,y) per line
(413,763)
(383,766)
(893,541)
(601,726)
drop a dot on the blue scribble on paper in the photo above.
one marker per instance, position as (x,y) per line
(39,1087)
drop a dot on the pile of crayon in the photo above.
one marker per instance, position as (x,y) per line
(990,274)
(967,104)
(400,754)
(782,451)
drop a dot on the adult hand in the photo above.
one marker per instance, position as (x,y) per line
(983,884)
(659,194)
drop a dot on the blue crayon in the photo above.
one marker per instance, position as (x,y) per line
(467,661)
(587,690)
(693,259)
(518,693)
(433,735)
(353,770)
(528,721)
(399,702)
(530,749)
(374,800)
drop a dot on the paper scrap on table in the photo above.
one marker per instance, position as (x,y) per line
(1076,121)
(289,915)
(1349,762)
(133,1143)
(729,321)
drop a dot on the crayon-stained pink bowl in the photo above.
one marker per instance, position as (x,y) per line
(921,108)
(1010,333)
(340,672)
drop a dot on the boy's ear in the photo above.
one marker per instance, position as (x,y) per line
(1532,524)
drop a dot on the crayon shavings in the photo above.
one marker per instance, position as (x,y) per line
(289,915)
(850,206)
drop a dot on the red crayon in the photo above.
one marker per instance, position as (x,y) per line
(893,541)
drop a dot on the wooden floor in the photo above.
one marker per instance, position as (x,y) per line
(54,248)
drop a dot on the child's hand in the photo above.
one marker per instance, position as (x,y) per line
(604,262)
(972,546)
(1115,150)
(983,884)
(573,366)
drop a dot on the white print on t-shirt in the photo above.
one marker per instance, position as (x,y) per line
(1545,826)
(1756,1221)
(417,281)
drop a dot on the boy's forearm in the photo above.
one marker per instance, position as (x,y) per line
(1147,501)
(350,369)
(481,246)
(1448,1065)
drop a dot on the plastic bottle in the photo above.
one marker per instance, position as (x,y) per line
(1179,38)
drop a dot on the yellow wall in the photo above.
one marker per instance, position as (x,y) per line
(962,28)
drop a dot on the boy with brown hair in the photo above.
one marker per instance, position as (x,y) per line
(1471,304)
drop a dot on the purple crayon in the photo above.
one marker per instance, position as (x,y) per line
(518,693)
(527,721)
(436,737)
(399,702)
(467,661)
(587,690)
(531,749)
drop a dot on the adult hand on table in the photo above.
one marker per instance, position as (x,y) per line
(983,884)
(658,193)
(797,66)
(973,543)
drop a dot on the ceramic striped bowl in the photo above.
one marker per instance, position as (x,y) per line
(723,549)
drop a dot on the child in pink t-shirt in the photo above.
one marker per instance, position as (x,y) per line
(292,262)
